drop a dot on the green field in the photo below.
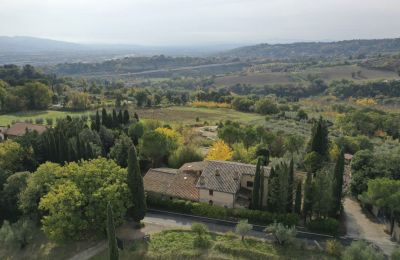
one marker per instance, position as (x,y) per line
(188,115)
(326,73)
(179,244)
(33,115)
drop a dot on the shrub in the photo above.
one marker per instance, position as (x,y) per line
(182,155)
(49,121)
(334,247)
(360,250)
(283,235)
(230,235)
(202,242)
(39,121)
(18,234)
(327,226)
(199,228)
(396,254)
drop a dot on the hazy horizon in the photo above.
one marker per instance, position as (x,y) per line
(198,23)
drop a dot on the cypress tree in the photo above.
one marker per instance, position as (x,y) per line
(120,118)
(126,117)
(104,117)
(338,184)
(261,188)
(135,184)
(110,123)
(114,119)
(255,202)
(297,203)
(53,148)
(96,124)
(319,142)
(308,197)
(112,240)
(71,152)
(273,186)
(63,148)
(290,187)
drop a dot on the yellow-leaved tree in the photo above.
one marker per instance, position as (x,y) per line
(219,151)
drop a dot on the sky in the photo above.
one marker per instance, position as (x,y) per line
(200,22)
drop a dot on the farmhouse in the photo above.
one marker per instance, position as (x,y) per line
(19,129)
(222,183)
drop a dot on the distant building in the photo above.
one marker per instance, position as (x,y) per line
(223,183)
(347,158)
(19,129)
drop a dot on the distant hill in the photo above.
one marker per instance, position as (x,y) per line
(355,48)
(24,44)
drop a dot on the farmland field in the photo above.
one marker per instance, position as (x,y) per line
(328,74)
(7,119)
(188,115)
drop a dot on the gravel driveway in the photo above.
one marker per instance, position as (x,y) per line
(362,225)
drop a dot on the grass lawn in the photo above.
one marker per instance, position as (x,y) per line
(179,244)
(22,116)
(41,248)
(188,115)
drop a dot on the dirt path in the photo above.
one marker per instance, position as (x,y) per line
(361,225)
(90,252)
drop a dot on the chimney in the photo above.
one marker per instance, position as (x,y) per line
(217,172)
(236,176)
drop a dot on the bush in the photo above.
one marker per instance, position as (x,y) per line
(18,234)
(182,155)
(202,242)
(360,250)
(327,226)
(334,247)
(283,235)
(39,121)
(199,228)
(49,121)
(396,254)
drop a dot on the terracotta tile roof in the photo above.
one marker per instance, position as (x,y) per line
(19,129)
(172,183)
(225,176)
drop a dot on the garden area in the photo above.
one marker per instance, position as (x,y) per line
(181,244)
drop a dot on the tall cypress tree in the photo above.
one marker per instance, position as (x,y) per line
(308,197)
(135,184)
(96,124)
(290,187)
(126,117)
(319,142)
(120,118)
(114,119)
(262,180)
(255,201)
(338,184)
(104,117)
(297,203)
(112,240)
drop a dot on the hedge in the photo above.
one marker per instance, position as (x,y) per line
(202,209)
(327,226)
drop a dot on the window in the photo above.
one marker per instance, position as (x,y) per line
(250,184)
(211,192)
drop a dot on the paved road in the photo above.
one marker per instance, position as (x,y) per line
(361,225)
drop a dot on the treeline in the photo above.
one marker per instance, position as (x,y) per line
(131,64)
(346,88)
